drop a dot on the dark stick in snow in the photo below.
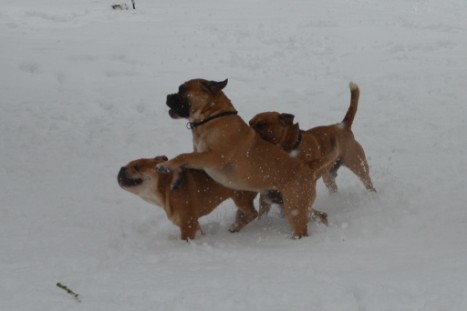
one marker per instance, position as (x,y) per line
(69,291)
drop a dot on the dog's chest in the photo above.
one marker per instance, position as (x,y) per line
(199,145)
(151,194)
(153,199)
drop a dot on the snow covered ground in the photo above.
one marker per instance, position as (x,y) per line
(83,92)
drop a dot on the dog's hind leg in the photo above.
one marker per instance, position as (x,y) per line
(264,205)
(201,231)
(327,167)
(330,181)
(266,199)
(246,212)
(359,166)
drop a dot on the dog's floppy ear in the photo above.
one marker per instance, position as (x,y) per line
(286,118)
(214,87)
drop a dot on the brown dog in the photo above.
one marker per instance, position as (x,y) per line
(233,154)
(198,196)
(316,143)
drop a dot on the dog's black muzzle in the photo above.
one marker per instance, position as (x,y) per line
(179,107)
(126,181)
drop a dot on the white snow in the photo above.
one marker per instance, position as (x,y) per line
(83,91)
(353,85)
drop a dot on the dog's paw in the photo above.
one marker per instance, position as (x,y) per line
(319,216)
(236,227)
(233,228)
(162,169)
(296,237)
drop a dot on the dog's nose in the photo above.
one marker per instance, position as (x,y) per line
(171,98)
(122,173)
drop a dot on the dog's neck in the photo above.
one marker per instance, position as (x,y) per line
(212,111)
(195,124)
(293,139)
(155,192)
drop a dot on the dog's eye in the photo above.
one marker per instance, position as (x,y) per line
(182,89)
(259,125)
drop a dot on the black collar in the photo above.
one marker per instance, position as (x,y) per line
(192,125)
(299,140)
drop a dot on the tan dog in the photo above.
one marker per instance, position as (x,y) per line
(233,154)
(316,143)
(197,197)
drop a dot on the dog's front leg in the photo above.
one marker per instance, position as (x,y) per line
(188,228)
(195,160)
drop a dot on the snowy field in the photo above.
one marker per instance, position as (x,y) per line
(83,91)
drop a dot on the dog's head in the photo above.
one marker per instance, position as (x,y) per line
(193,96)
(272,126)
(139,176)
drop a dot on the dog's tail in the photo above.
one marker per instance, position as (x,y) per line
(350,115)
(323,164)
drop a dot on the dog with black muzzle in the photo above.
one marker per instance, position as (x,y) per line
(234,155)
(316,143)
(198,196)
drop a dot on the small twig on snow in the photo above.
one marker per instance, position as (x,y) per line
(69,291)
(120,6)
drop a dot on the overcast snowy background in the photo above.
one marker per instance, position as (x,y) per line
(83,91)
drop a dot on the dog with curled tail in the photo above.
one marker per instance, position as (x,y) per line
(316,143)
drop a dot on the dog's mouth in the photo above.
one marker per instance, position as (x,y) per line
(126,181)
(179,107)
(173,114)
